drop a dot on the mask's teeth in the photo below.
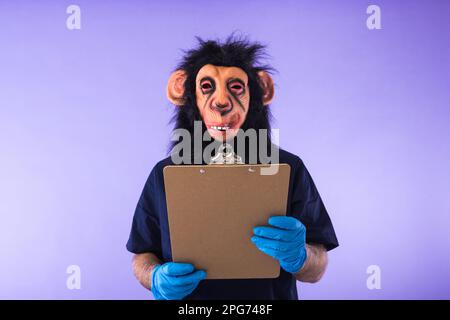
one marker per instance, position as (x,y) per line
(223,128)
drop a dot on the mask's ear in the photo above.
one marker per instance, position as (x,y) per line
(266,83)
(175,87)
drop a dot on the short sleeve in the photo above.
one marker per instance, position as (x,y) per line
(145,235)
(307,206)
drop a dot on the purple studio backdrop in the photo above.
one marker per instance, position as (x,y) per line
(84,117)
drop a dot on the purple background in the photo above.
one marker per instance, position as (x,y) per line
(83,119)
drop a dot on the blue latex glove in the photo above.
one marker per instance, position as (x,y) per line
(284,240)
(174,281)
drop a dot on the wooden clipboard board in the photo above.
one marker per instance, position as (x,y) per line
(212,210)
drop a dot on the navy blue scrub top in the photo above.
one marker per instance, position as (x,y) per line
(150,233)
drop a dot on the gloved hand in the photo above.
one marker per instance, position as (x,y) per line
(284,240)
(174,281)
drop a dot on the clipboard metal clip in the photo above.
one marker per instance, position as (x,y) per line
(226,155)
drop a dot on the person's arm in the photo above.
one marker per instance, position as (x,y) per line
(143,265)
(315,264)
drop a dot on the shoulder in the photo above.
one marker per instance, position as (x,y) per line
(299,172)
(159,167)
(293,160)
(156,174)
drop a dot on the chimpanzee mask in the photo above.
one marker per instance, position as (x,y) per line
(222,85)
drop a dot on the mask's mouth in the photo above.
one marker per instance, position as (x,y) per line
(224,126)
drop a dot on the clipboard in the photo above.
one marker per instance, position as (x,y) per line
(212,210)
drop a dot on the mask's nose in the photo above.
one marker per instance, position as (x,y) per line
(222,108)
(222,104)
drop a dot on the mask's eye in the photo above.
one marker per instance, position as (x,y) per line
(236,88)
(206,86)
